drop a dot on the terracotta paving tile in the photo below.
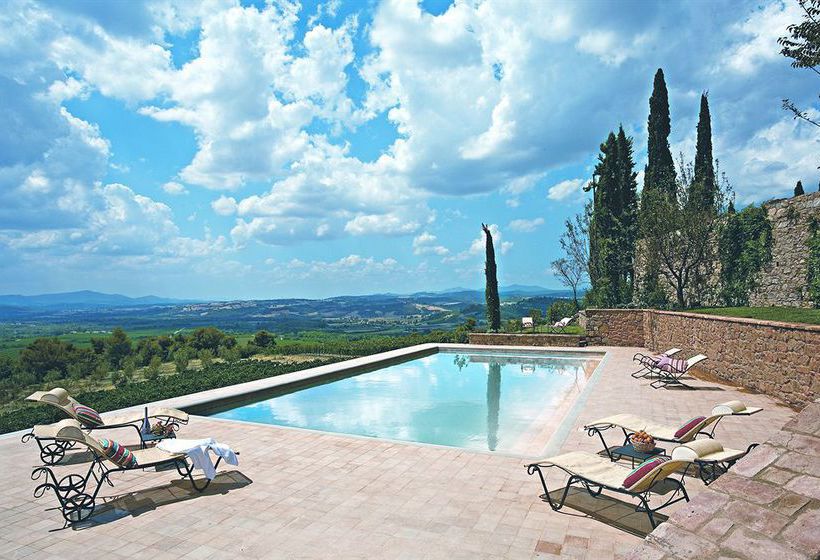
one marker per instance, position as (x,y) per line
(304,494)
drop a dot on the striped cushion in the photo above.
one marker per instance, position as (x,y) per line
(686,428)
(642,470)
(87,416)
(118,453)
(672,365)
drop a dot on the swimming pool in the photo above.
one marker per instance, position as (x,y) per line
(490,401)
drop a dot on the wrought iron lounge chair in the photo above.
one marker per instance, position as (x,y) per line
(51,452)
(647,362)
(711,458)
(698,426)
(670,372)
(77,494)
(596,474)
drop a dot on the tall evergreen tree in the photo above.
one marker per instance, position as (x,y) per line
(626,211)
(660,169)
(659,176)
(704,183)
(613,223)
(491,289)
(798,189)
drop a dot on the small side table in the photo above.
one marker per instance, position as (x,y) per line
(629,451)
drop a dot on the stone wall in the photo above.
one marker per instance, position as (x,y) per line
(613,327)
(783,281)
(766,506)
(535,339)
(778,359)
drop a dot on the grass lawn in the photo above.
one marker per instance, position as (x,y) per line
(784,314)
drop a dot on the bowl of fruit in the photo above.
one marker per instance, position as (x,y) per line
(642,442)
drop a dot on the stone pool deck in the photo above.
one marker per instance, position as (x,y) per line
(304,494)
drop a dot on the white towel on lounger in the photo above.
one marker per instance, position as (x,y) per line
(197,450)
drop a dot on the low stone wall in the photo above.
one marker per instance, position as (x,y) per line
(766,506)
(613,327)
(534,339)
(779,359)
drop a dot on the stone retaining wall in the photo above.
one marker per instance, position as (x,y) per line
(779,359)
(783,282)
(534,339)
(766,506)
(613,327)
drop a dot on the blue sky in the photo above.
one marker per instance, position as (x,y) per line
(277,149)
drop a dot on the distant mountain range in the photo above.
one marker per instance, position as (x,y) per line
(85,298)
(92,299)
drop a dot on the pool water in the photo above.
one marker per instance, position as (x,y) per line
(484,401)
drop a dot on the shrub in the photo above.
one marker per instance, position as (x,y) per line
(561,308)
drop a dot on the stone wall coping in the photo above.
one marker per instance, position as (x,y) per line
(723,318)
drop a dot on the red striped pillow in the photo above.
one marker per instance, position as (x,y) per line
(642,470)
(118,453)
(686,428)
(87,416)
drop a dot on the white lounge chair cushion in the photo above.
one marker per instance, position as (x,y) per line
(735,407)
(705,450)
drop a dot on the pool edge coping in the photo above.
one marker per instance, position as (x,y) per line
(211,396)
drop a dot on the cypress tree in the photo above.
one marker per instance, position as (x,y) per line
(798,189)
(601,240)
(626,211)
(660,169)
(659,176)
(704,165)
(491,289)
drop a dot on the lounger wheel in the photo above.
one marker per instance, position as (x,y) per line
(78,508)
(52,453)
(71,484)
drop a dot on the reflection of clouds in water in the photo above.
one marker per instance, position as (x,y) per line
(427,400)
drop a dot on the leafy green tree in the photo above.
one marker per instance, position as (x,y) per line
(681,234)
(491,290)
(118,347)
(207,337)
(152,371)
(206,357)
(181,359)
(798,189)
(573,269)
(744,246)
(8,367)
(803,47)
(559,309)
(44,355)
(461,332)
(129,367)
(264,339)
(229,354)
(704,180)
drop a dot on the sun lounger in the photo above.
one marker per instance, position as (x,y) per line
(700,425)
(561,326)
(711,458)
(77,494)
(51,452)
(670,370)
(647,362)
(596,474)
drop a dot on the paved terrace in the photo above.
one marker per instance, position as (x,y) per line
(304,494)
